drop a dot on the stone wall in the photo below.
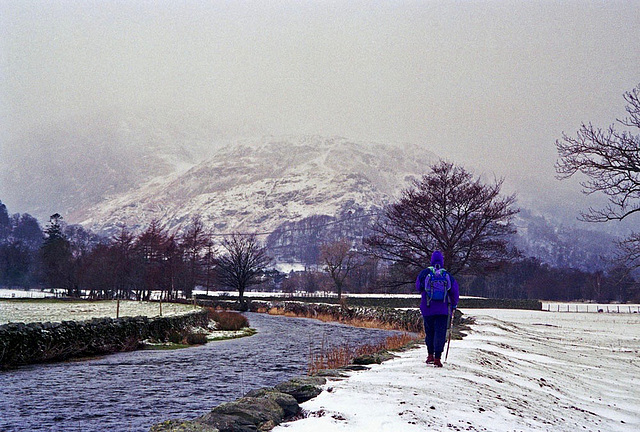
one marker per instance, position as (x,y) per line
(43,342)
(394,302)
(400,319)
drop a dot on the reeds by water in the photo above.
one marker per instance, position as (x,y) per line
(333,357)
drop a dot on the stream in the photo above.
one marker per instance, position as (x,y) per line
(134,390)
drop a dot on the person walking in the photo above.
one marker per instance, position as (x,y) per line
(440,295)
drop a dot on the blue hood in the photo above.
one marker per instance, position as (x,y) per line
(437,260)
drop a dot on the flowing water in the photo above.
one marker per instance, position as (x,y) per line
(132,391)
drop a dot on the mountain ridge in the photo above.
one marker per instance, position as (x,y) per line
(258,184)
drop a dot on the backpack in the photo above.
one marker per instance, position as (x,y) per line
(437,284)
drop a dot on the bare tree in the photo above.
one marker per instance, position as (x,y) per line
(610,159)
(242,262)
(152,246)
(194,242)
(448,210)
(339,260)
(209,265)
(122,256)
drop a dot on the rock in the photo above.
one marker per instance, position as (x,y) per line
(246,414)
(375,358)
(287,402)
(182,426)
(366,359)
(302,389)
(267,426)
(331,373)
(354,367)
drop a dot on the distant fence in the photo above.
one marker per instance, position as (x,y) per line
(590,308)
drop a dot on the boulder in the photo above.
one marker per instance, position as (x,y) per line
(247,414)
(182,426)
(302,388)
(287,402)
(376,358)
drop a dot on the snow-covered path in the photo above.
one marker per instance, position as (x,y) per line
(517,370)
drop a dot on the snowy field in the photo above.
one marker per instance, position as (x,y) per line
(517,371)
(14,293)
(57,311)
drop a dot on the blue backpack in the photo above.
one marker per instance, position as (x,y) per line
(437,285)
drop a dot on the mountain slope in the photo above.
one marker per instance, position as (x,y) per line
(257,185)
(292,190)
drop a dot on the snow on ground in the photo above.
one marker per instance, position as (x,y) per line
(516,371)
(18,293)
(57,311)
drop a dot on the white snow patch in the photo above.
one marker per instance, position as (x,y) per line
(20,293)
(517,370)
(27,311)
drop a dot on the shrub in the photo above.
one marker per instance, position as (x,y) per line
(175,337)
(228,320)
(196,338)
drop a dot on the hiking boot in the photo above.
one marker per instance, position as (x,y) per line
(437,362)
(430,359)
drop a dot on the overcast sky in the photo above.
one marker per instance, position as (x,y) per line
(489,84)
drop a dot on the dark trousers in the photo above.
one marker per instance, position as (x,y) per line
(435,330)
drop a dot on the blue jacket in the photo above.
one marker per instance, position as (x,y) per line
(437,307)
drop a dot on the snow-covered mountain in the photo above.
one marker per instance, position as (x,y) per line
(301,191)
(256,185)
(125,169)
(563,246)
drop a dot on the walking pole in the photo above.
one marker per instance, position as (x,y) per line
(449,336)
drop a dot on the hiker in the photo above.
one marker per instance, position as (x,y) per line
(440,294)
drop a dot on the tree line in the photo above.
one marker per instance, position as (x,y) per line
(127,265)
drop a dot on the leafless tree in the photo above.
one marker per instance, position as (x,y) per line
(610,158)
(194,242)
(152,246)
(448,210)
(242,262)
(339,260)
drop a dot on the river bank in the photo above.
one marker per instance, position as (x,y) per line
(516,370)
(132,391)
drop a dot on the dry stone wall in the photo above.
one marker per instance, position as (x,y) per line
(43,342)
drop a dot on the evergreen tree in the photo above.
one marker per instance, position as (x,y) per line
(56,257)
(5,223)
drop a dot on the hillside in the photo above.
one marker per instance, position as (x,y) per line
(258,185)
(300,191)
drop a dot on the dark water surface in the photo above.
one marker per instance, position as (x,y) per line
(132,391)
